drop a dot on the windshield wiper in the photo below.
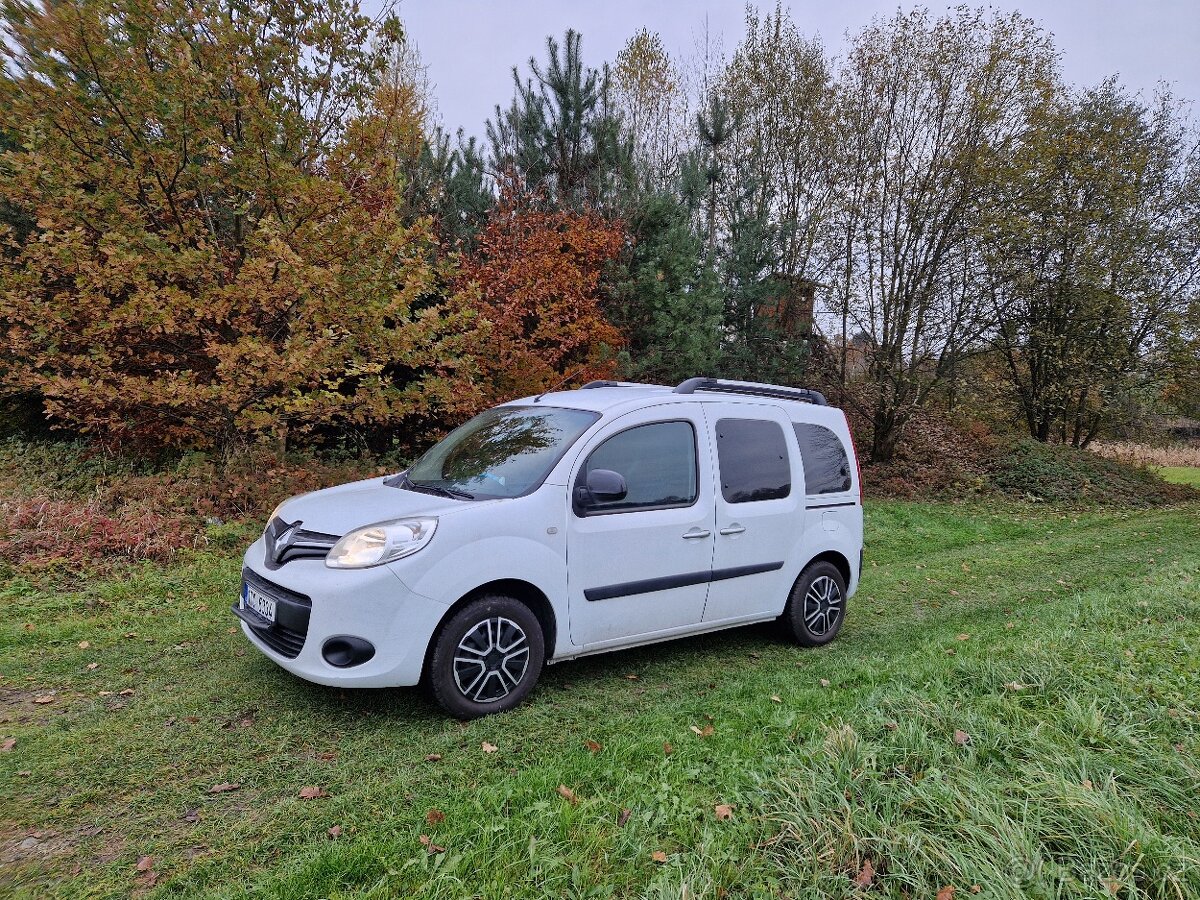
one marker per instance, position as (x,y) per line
(404,481)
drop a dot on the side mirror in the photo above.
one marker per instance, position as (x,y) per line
(603,486)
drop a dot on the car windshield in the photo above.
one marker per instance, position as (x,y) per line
(503,452)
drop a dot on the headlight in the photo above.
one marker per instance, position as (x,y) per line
(381,543)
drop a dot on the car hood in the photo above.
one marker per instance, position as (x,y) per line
(338,510)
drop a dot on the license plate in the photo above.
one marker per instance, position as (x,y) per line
(258,602)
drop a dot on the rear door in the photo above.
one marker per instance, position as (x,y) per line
(641,565)
(760,509)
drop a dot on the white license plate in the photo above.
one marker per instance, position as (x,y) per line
(259,603)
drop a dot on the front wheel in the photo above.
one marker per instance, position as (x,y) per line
(817,605)
(487,658)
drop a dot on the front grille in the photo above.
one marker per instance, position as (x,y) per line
(287,634)
(288,541)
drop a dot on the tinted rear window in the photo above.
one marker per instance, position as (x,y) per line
(752,454)
(826,466)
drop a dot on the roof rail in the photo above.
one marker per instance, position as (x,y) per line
(599,384)
(754,389)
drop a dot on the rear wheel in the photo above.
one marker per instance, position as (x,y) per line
(817,605)
(487,657)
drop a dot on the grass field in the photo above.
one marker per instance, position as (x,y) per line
(1189,475)
(1012,711)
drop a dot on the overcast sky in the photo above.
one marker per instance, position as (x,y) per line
(470,46)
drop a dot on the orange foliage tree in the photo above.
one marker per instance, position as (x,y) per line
(217,251)
(537,276)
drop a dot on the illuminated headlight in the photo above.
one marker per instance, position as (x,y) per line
(381,543)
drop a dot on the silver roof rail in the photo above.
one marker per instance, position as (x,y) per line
(751,388)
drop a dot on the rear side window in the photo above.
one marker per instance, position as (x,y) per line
(658,462)
(826,466)
(753,457)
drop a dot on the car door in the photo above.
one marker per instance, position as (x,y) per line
(640,565)
(760,510)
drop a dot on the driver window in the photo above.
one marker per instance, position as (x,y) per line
(657,461)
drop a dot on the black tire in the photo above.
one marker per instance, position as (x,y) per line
(506,637)
(816,607)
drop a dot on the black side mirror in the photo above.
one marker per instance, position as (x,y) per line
(603,486)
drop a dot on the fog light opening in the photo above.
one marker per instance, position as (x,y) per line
(344,652)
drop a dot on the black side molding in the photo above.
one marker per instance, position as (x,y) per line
(666,583)
(832,505)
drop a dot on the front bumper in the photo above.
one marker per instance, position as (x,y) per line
(373,604)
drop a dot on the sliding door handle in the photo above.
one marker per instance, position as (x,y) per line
(694,534)
(735,528)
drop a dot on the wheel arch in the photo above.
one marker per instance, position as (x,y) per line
(836,557)
(522,591)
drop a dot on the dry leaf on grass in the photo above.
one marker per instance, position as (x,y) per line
(593,746)
(964,637)
(567,794)
(312,792)
(145,863)
(335,831)
(723,811)
(433,757)
(224,787)
(430,846)
(668,749)
(703,732)
(776,698)
(624,817)
(435,817)
(946,893)
(658,856)
(46,698)
(824,682)
(488,748)
(7,744)
(865,875)
(961,737)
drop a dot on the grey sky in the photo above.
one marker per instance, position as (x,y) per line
(470,46)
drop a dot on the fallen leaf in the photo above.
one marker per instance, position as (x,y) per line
(191,815)
(658,856)
(145,863)
(335,831)
(703,732)
(593,746)
(632,677)
(7,744)
(961,737)
(1112,885)
(224,787)
(128,692)
(976,888)
(327,755)
(866,874)
(623,817)
(964,637)
(567,794)
(668,749)
(83,645)
(824,682)
(147,879)
(946,893)
(1015,686)
(312,792)
(890,726)
(776,698)
(47,698)
(488,748)
(430,845)
(435,817)
(104,693)
(723,811)
(93,666)
(433,757)
(966,568)
(1087,783)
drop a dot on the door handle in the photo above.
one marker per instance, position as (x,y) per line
(735,528)
(695,534)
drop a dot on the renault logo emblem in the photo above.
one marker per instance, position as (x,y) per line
(283,540)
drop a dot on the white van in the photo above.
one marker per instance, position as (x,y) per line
(562,525)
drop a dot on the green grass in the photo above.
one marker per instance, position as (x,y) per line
(1076,682)
(1189,475)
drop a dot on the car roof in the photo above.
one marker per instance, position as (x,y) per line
(628,396)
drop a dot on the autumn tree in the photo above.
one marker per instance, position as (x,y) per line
(926,110)
(536,275)
(649,96)
(217,250)
(1095,252)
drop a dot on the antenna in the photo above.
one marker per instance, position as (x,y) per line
(568,378)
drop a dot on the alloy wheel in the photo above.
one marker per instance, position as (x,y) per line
(491,660)
(822,605)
